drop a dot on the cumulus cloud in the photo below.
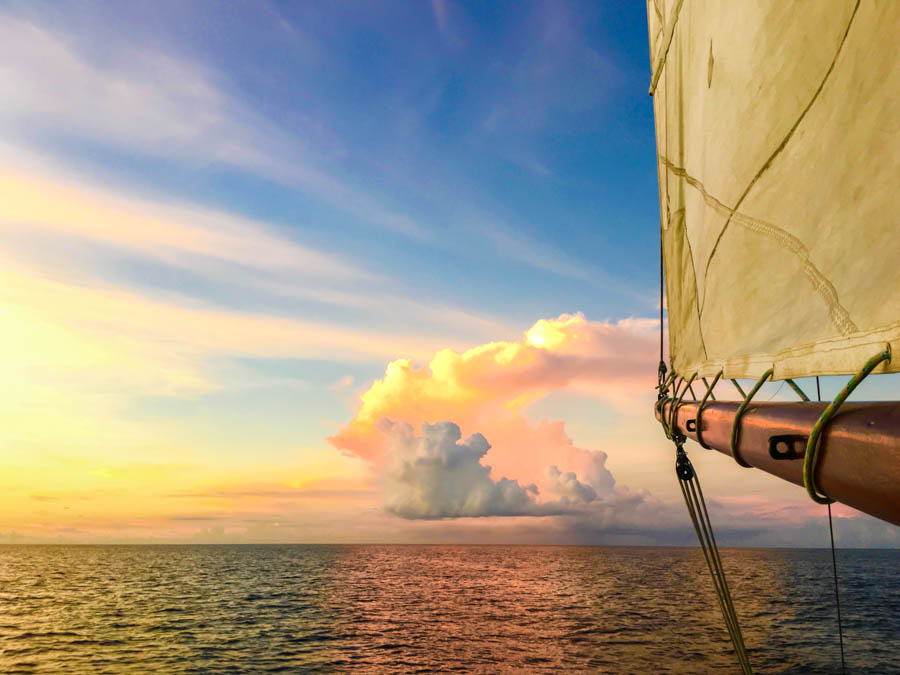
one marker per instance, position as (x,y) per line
(436,476)
(527,481)
(487,386)
(528,468)
(569,488)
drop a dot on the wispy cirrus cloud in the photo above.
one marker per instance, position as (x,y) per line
(154,103)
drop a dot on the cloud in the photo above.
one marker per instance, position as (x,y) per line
(140,99)
(569,487)
(555,70)
(345,382)
(151,102)
(439,8)
(435,476)
(512,469)
(176,234)
(486,388)
(510,465)
(52,326)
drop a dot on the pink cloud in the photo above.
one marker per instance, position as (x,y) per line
(486,389)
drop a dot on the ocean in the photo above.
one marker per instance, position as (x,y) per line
(86,609)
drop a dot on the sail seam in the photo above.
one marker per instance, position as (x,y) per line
(838,314)
(663,58)
(781,146)
(659,18)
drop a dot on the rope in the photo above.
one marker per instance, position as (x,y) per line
(696,505)
(673,416)
(708,394)
(811,457)
(738,387)
(837,595)
(712,395)
(687,477)
(798,390)
(661,299)
(736,425)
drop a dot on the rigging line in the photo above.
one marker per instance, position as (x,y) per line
(777,391)
(696,506)
(720,572)
(837,595)
(660,297)
(665,175)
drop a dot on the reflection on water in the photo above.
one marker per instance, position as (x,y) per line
(338,608)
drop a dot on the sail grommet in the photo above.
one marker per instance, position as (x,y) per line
(697,420)
(736,425)
(810,459)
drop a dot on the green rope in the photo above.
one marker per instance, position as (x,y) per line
(736,425)
(812,445)
(708,394)
(664,386)
(662,406)
(738,387)
(712,395)
(673,413)
(797,389)
(663,396)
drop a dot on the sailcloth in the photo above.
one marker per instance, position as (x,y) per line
(778,138)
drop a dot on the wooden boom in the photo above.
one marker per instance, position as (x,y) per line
(859,451)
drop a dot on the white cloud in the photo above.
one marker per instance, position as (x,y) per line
(569,488)
(435,476)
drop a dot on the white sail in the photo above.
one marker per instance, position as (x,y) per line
(778,136)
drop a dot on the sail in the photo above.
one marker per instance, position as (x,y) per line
(778,138)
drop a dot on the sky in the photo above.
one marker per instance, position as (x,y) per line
(343,272)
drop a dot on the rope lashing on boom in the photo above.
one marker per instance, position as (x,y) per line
(736,425)
(697,420)
(811,457)
(696,504)
(673,411)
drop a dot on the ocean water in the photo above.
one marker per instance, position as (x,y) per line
(84,609)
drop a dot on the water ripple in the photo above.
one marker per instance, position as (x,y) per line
(436,608)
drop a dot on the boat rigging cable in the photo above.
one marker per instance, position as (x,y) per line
(684,470)
(837,595)
(696,505)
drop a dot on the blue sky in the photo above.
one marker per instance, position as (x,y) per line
(466,151)
(244,244)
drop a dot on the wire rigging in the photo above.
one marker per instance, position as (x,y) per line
(837,595)
(696,505)
(687,476)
